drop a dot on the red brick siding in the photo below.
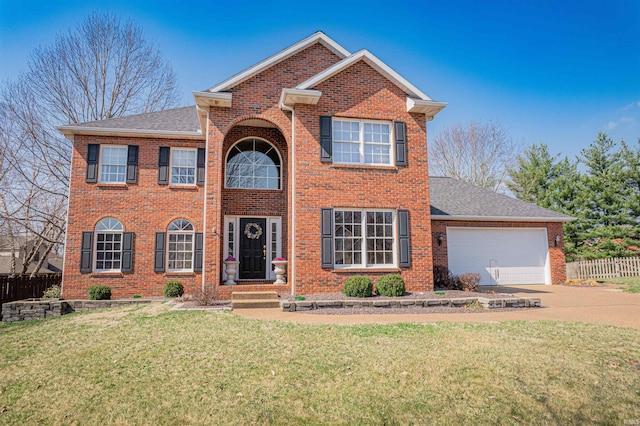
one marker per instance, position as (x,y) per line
(556,254)
(143,208)
(359,92)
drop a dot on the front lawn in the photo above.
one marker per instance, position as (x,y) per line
(630,284)
(145,365)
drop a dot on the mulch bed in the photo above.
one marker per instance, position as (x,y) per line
(448,294)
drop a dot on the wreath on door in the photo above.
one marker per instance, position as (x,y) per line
(253,231)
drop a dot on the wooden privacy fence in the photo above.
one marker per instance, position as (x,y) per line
(23,287)
(608,268)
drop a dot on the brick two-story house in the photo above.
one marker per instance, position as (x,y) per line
(314,154)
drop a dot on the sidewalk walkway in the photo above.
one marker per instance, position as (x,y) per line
(599,305)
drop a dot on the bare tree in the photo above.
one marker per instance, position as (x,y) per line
(477,153)
(103,68)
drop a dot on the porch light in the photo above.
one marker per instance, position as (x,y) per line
(557,240)
(440,238)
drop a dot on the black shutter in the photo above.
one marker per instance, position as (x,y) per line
(326,248)
(404,239)
(86,252)
(201,166)
(158,259)
(325,139)
(197,252)
(127,252)
(132,164)
(163,166)
(401,143)
(92,162)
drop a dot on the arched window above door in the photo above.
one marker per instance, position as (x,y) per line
(253,164)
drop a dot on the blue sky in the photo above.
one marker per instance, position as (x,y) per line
(548,71)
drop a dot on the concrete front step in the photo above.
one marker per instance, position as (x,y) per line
(253,295)
(255,304)
(254,299)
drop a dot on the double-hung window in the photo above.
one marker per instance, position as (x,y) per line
(361,142)
(108,245)
(180,252)
(364,238)
(183,166)
(113,165)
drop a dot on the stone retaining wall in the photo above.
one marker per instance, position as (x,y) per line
(511,302)
(38,309)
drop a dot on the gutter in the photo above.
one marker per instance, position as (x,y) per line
(69,131)
(503,218)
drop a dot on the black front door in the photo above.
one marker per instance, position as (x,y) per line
(253,248)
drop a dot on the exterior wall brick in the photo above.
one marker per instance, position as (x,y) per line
(556,254)
(143,208)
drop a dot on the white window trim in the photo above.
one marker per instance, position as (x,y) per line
(95,247)
(362,143)
(193,246)
(101,162)
(270,275)
(364,264)
(226,160)
(195,166)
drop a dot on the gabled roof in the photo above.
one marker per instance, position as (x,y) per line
(179,122)
(452,199)
(318,37)
(375,63)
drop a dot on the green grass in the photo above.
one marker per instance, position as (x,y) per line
(145,365)
(629,284)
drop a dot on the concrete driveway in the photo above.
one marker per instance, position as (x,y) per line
(599,305)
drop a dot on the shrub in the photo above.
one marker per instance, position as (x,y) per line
(53,292)
(390,285)
(173,289)
(443,278)
(137,296)
(469,281)
(205,297)
(358,286)
(298,297)
(99,292)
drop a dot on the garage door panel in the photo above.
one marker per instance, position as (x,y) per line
(518,256)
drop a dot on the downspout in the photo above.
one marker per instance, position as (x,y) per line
(204,208)
(292,238)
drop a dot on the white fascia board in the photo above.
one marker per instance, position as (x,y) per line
(374,62)
(207,99)
(428,108)
(70,131)
(502,218)
(279,57)
(290,97)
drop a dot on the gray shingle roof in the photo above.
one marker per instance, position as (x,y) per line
(183,119)
(451,197)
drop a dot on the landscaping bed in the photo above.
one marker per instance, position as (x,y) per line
(449,301)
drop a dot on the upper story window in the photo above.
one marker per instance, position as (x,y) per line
(113,163)
(180,253)
(183,166)
(108,245)
(253,164)
(361,142)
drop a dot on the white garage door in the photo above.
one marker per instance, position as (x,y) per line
(501,256)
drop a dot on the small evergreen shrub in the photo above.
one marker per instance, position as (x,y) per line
(298,297)
(53,292)
(137,296)
(469,281)
(358,286)
(390,285)
(173,289)
(99,292)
